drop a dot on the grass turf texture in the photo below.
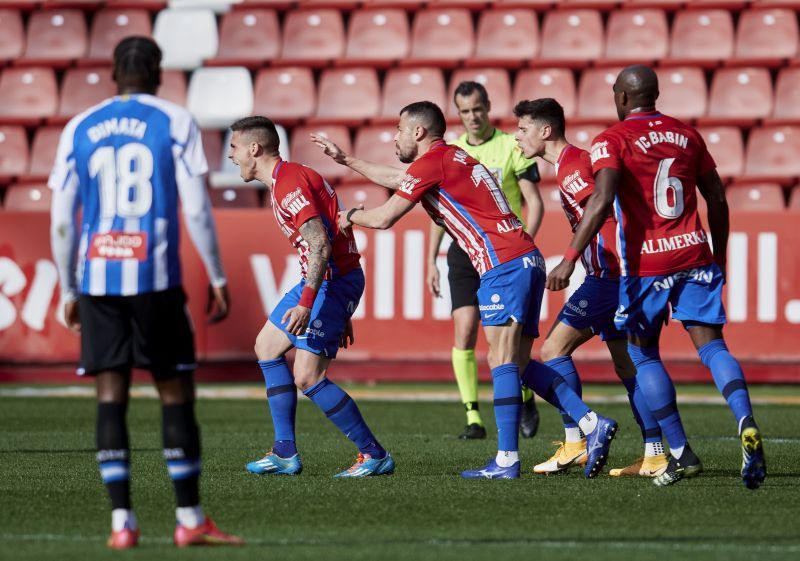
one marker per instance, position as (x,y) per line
(53,505)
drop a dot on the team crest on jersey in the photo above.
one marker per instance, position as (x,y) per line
(599,150)
(408,184)
(294,202)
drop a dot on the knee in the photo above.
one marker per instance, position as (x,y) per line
(263,349)
(305,379)
(643,355)
(551,350)
(466,337)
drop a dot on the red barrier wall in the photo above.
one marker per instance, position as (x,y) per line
(397,318)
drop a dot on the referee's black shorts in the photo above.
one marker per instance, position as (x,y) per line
(150,331)
(463,278)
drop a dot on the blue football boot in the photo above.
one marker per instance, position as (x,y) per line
(598,442)
(366,465)
(493,471)
(274,464)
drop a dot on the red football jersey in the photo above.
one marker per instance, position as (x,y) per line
(463,197)
(659,159)
(576,184)
(299,194)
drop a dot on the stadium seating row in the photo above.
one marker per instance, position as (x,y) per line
(446,37)
(352,96)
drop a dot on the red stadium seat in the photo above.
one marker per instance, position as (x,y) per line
(266,4)
(582,135)
(28,198)
(248,38)
(639,35)
(441,37)
(83,88)
(497,85)
(571,38)
(682,92)
(173,86)
(669,5)
(286,95)
(755,196)
(595,96)
(303,150)
(348,96)
(345,5)
(109,27)
(506,37)
(29,95)
(727,148)
(772,154)
(312,38)
(85,5)
(212,148)
(377,37)
(766,37)
(739,96)
(558,83)
(376,144)
(535,5)
(402,86)
(55,38)
(701,37)
(12,35)
(787,98)
(794,198)
(13,153)
(352,195)
(240,197)
(43,153)
(409,5)
(149,5)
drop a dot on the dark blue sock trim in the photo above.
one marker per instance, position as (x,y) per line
(516,400)
(272,363)
(652,433)
(666,411)
(277,390)
(339,406)
(316,388)
(733,386)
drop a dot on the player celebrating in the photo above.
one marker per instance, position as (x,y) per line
(590,310)
(518,178)
(126,161)
(314,317)
(462,196)
(651,165)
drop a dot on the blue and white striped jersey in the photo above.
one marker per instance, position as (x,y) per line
(124,159)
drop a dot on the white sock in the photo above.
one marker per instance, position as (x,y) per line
(677,452)
(190,516)
(573,434)
(507,458)
(653,449)
(122,517)
(588,422)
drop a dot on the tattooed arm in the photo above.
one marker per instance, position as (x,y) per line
(319,251)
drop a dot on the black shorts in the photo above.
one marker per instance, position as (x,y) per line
(150,331)
(463,278)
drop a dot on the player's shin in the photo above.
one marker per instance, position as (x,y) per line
(651,432)
(550,386)
(282,398)
(113,457)
(728,377)
(566,369)
(181,438)
(507,411)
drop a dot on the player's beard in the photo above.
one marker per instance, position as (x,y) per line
(407,156)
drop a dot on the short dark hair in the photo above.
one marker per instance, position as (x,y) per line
(137,63)
(468,88)
(430,114)
(264,128)
(545,110)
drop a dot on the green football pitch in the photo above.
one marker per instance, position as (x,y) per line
(53,505)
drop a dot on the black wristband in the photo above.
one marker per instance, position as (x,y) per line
(349,215)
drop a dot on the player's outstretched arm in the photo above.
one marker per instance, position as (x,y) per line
(598,205)
(710,186)
(379,218)
(432,277)
(381,174)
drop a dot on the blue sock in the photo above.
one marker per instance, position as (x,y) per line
(343,412)
(659,392)
(566,368)
(282,398)
(507,405)
(651,432)
(728,377)
(551,387)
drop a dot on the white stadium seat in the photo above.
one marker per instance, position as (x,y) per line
(219,6)
(186,37)
(219,96)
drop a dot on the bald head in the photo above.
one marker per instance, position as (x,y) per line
(636,88)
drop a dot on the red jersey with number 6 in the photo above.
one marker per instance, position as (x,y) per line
(300,194)
(463,197)
(659,159)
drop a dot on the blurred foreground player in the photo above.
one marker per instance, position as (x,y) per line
(650,167)
(126,162)
(591,308)
(519,178)
(313,317)
(462,196)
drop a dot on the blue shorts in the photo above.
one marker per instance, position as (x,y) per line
(593,306)
(513,291)
(336,301)
(694,296)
